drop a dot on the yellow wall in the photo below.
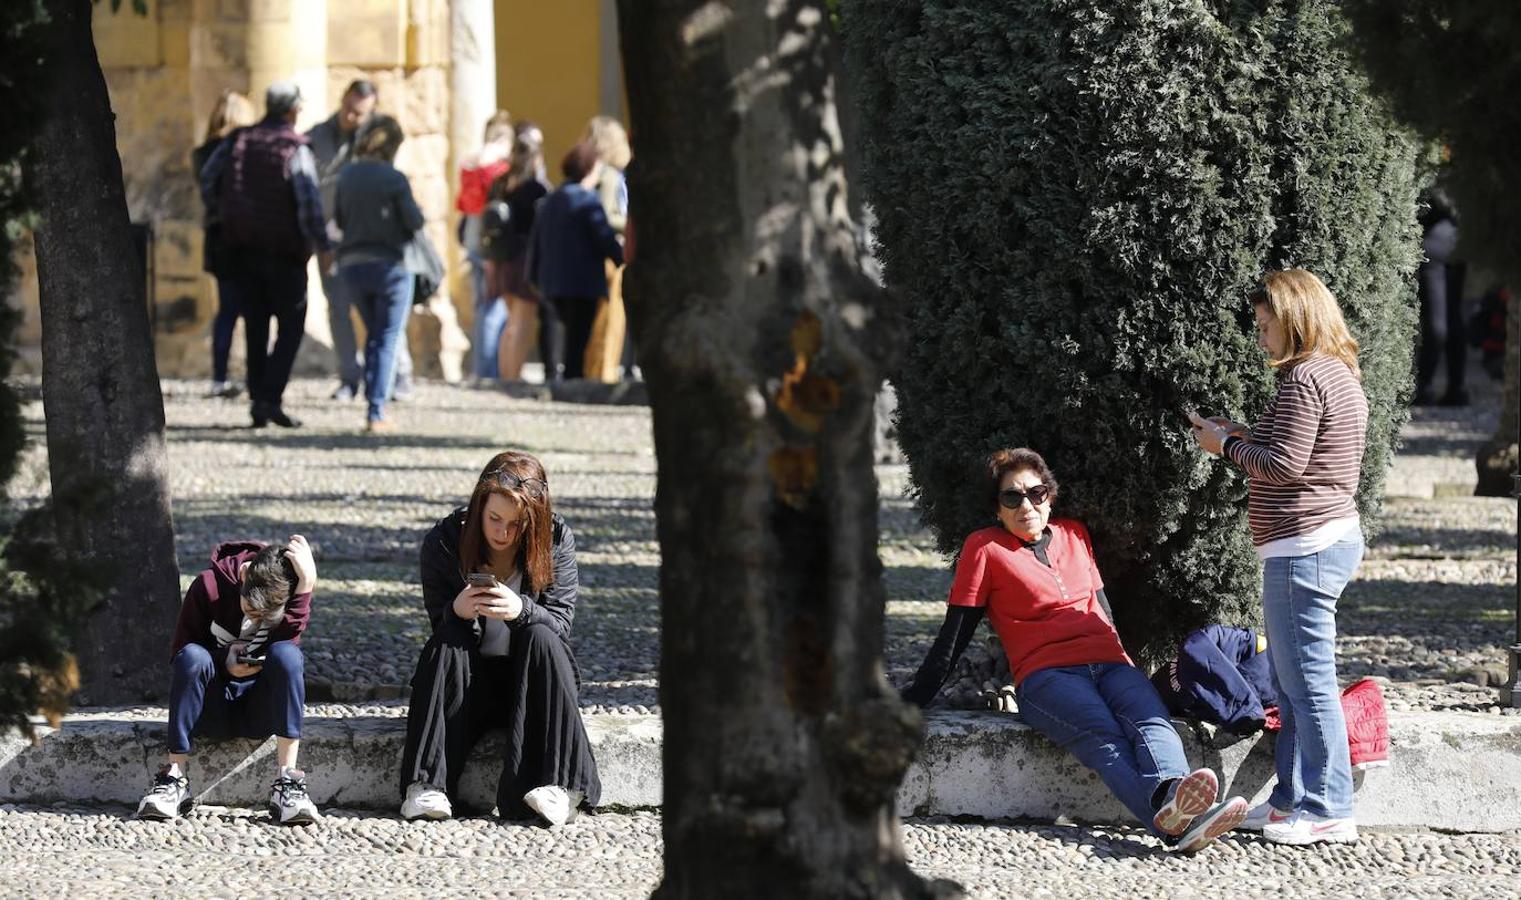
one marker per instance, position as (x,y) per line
(548,68)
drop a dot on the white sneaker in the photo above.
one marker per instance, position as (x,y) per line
(1262,814)
(169,796)
(1191,796)
(288,802)
(1205,828)
(1303,828)
(424,801)
(554,804)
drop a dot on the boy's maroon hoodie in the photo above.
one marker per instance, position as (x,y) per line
(215,596)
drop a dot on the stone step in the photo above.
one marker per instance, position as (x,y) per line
(1450,770)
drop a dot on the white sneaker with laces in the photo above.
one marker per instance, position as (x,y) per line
(424,801)
(554,804)
(1261,815)
(1302,828)
(288,801)
(169,796)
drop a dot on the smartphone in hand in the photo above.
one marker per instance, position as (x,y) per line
(482,580)
(244,660)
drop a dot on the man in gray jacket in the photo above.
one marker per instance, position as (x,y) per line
(332,143)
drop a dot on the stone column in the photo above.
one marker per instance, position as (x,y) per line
(472,100)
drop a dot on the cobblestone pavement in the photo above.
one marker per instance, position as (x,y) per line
(88,852)
(1429,613)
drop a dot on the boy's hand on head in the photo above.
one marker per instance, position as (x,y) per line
(300,554)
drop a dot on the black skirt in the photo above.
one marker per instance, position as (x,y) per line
(458,695)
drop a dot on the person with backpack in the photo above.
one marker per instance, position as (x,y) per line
(237,670)
(261,184)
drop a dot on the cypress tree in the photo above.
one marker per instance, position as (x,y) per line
(1074,197)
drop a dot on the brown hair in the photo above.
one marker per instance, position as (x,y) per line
(1311,319)
(499,127)
(578,162)
(379,138)
(607,137)
(532,492)
(1016,459)
(233,110)
(269,583)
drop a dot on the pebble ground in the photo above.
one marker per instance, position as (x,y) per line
(89,852)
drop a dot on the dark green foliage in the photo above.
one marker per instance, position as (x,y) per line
(1075,196)
(42,594)
(1453,69)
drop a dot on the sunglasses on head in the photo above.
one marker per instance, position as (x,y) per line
(1011,498)
(511,481)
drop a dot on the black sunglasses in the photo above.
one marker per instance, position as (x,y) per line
(509,480)
(1011,498)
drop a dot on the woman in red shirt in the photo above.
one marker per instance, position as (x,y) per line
(1037,580)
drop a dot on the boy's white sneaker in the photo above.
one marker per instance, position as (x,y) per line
(424,801)
(554,804)
(169,796)
(1303,828)
(288,800)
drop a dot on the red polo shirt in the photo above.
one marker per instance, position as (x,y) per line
(1045,616)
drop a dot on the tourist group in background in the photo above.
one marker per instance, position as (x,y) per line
(545,261)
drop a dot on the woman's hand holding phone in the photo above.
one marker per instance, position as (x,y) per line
(500,602)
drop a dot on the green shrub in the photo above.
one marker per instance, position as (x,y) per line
(1074,197)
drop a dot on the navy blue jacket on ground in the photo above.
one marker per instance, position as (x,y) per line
(1219,676)
(571,238)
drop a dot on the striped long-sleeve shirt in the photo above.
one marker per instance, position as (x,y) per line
(1304,456)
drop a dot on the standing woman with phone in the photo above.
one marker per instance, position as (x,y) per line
(500,582)
(1303,460)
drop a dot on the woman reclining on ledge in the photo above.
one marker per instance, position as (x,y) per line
(1073,680)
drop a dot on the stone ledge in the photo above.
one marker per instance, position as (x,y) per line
(1451,771)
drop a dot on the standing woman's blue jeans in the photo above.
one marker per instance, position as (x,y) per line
(222,328)
(1109,716)
(382,291)
(1299,595)
(490,321)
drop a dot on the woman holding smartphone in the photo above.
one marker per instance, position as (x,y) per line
(500,582)
(1303,461)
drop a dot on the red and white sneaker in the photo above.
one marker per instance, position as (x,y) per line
(1191,796)
(1263,814)
(1204,829)
(1304,828)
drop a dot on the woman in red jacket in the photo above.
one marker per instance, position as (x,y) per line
(1036,578)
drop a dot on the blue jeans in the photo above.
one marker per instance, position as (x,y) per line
(490,320)
(222,328)
(382,291)
(204,701)
(345,344)
(1299,595)
(1109,716)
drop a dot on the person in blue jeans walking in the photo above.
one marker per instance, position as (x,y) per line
(378,217)
(237,670)
(1303,461)
(1036,578)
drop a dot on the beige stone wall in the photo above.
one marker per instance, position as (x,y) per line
(165,72)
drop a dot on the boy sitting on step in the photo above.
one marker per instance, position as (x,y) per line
(237,669)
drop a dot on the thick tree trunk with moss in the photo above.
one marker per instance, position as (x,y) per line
(105,414)
(762,346)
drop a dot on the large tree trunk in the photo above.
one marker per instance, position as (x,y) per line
(762,345)
(105,414)
(1499,458)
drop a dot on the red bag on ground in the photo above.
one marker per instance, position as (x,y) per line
(1362,703)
